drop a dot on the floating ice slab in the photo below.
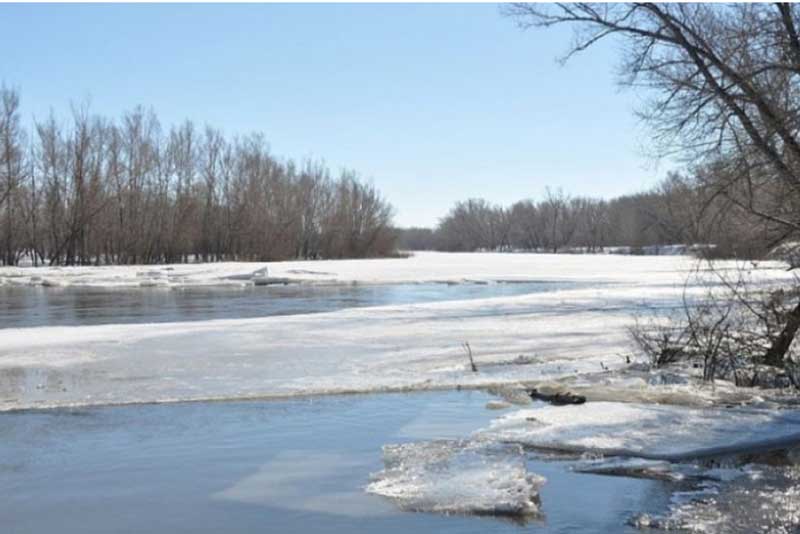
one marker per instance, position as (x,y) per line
(458,477)
(646,430)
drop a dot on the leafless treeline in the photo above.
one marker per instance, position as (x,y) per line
(550,224)
(676,211)
(126,191)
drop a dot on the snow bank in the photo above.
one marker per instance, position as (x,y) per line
(455,477)
(647,431)
(421,267)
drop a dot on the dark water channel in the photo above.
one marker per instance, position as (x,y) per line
(41,306)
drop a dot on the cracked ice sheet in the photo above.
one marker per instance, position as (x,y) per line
(458,477)
(646,430)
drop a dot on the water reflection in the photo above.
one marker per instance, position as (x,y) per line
(309,480)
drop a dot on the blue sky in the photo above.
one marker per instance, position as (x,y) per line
(433,103)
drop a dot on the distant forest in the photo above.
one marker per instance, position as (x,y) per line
(681,210)
(101,191)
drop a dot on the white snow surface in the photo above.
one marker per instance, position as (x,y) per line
(649,431)
(420,267)
(566,332)
(458,477)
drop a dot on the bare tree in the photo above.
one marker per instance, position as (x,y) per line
(725,80)
(12,176)
(475,225)
(527,227)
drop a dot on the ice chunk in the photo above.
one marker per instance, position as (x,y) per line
(512,393)
(458,477)
(261,274)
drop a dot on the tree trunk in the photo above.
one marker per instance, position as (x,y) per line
(780,346)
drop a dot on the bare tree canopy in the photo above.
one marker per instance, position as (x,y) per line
(726,84)
(725,80)
(674,212)
(102,191)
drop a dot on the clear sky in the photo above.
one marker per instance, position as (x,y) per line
(433,103)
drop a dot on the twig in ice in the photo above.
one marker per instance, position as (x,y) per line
(468,350)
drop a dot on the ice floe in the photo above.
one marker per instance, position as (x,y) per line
(659,432)
(458,477)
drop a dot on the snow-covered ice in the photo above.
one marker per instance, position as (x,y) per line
(662,432)
(534,337)
(355,350)
(468,477)
(422,267)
